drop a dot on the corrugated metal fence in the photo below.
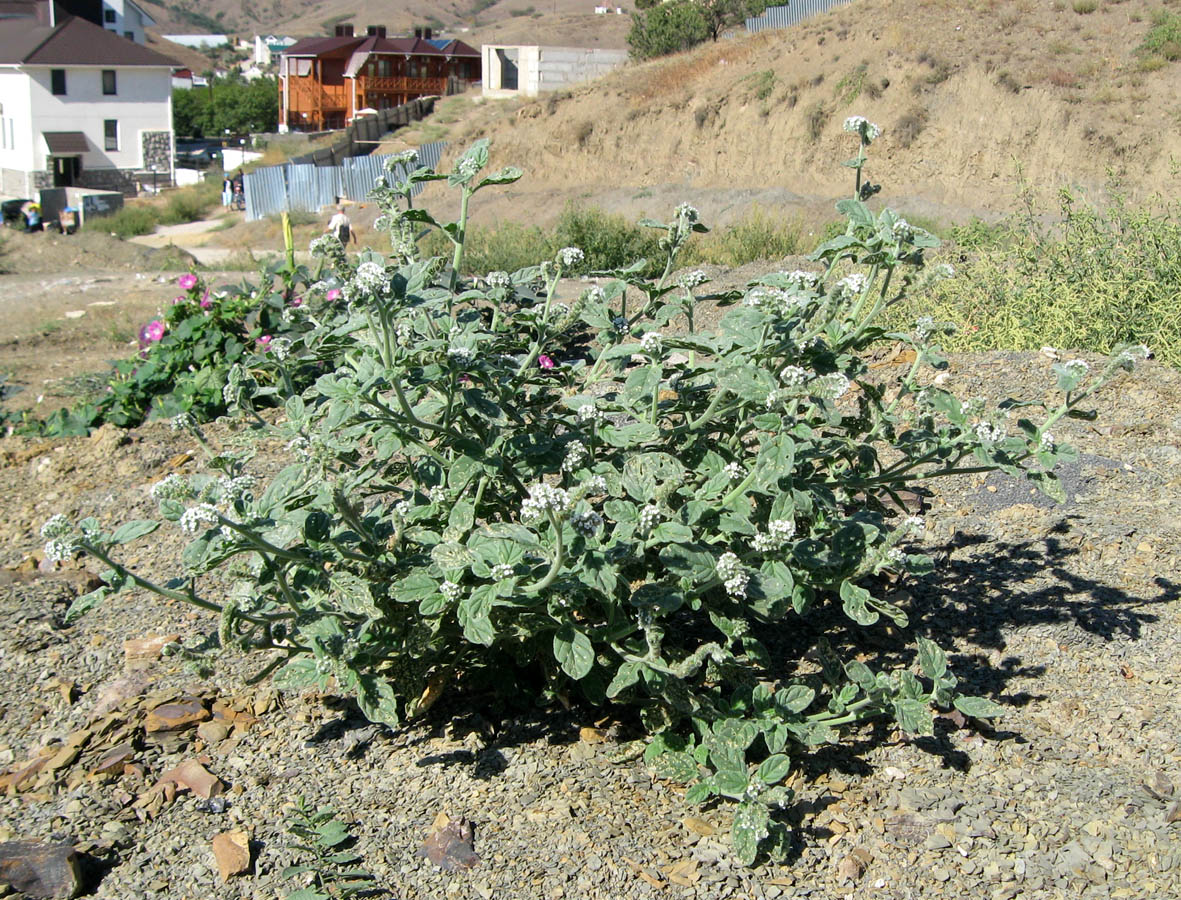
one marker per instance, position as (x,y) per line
(792,14)
(302,186)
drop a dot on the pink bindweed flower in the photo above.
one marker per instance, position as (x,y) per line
(297,301)
(187,282)
(332,295)
(154,330)
(205,301)
(264,342)
(465,379)
(546,362)
(178,300)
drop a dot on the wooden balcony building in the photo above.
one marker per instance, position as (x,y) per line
(325,82)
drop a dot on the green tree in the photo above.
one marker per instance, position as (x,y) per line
(227,104)
(721,14)
(668,28)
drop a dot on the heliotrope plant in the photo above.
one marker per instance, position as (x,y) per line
(489,486)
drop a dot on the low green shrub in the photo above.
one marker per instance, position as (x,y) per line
(189,204)
(126,222)
(1098,278)
(492,492)
(758,236)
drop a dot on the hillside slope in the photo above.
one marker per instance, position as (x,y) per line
(968,95)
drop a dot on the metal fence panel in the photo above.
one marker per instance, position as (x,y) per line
(791,14)
(266,192)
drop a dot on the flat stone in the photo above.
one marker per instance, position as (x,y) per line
(194,776)
(231,849)
(139,653)
(176,716)
(40,870)
(212,732)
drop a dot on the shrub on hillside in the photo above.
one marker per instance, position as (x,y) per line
(126,222)
(493,492)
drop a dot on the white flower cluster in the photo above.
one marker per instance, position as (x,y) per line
(860,125)
(236,488)
(381,223)
(619,323)
(595,485)
(460,354)
(989,433)
(173,487)
(779,532)
(830,387)
(570,256)
(902,231)
(380,183)
(851,285)
(281,347)
(436,494)
(1138,353)
(766,297)
(649,518)
(544,498)
(914,523)
(793,376)
(369,280)
(576,455)
(687,212)
(588,412)
(502,572)
(896,557)
(60,538)
(1046,443)
(326,245)
(734,577)
(734,471)
(692,279)
(923,328)
(193,518)
(405,158)
(450,590)
(652,343)
(1077,367)
(774,398)
(467,167)
(402,508)
(499,279)
(587,523)
(801,279)
(181,421)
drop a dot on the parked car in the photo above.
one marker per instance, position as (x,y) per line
(12,213)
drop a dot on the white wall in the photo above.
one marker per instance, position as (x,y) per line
(128,20)
(546,68)
(16,148)
(199,40)
(142,102)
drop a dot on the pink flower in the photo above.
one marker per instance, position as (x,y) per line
(187,282)
(154,330)
(545,362)
(297,301)
(177,300)
(205,301)
(465,379)
(264,341)
(332,295)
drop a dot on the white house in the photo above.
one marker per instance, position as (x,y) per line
(80,106)
(267,46)
(126,19)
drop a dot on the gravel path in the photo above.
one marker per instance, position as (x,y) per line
(1067,614)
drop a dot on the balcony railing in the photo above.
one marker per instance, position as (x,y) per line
(314,96)
(401,84)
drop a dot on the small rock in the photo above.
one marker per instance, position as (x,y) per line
(40,870)
(232,851)
(176,716)
(139,653)
(194,776)
(212,732)
(1174,813)
(450,848)
(698,826)
(592,735)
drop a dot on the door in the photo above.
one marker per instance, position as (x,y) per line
(66,170)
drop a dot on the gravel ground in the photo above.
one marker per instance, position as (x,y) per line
(1069,615)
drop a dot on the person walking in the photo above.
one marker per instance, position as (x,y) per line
(340,227)
(227,191)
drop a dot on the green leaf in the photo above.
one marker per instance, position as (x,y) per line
(700,792)
(474,615)
(300,673)
(573,651)
(751,821)
(796,698)
(979,707)
(675,766)
(731,783)
(415,588)
(690,561)
(854,604)
(450,555)
(774,769)
(932,659)
(85,603)
(914,716)
(129,531)
(378,702)
(627,675)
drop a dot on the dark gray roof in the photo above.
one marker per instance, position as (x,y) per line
(65,142)
(74,42)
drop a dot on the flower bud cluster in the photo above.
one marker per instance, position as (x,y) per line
(576,455)
(861,126)
(460,354)
(588,412)
(1077,367)
(329,248)
(990,433)
(570,256)
(234,489)
(467,168)
(1046,443)
(451,590)
(734,577)
(370,280)
(779,532)
(793,376)
(649,518)
(502,572)
(734,471)
(692,279)
(587,523)
(544,498)
(61,538)
(652,343)
(594,486)
(829,387)
(851,285)
(499,280)
(196,516)
(173,487)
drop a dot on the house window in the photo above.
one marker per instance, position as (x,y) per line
(108,16)
(109,81)
(57,82)
(111,134)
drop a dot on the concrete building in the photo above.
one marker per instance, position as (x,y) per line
(126,19)
(527,70)
(80,106)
